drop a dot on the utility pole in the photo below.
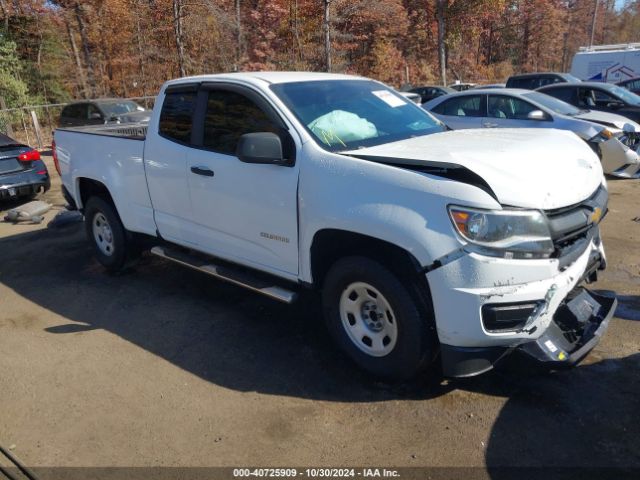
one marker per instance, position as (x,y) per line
(593,22)
(327,35)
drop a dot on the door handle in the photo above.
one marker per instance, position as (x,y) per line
(489,125)
(204,171)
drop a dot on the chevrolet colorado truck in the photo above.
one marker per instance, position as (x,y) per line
(428,246)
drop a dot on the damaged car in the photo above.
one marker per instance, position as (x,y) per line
(613,137)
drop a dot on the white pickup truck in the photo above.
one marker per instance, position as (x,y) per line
(428,246)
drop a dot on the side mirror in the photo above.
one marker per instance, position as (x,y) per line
(537,115)
(95,116)
(262,148)
(615,105)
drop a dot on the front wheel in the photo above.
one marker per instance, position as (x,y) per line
(381,324)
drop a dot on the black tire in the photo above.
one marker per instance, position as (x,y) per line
(122,250)
(416,339)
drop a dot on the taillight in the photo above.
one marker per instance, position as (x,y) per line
(55,156)
(29,156)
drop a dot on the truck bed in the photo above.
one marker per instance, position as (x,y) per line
(113,154)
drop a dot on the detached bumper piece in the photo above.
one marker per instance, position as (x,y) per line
(577,328)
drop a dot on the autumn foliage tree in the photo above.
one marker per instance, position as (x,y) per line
(62,49)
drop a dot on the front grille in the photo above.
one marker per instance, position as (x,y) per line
(573,227)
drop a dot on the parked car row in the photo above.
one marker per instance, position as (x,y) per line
(604,115)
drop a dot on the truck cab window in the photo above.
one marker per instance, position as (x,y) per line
(230,115)
(176,116)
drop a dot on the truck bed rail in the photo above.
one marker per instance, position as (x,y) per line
(133,131)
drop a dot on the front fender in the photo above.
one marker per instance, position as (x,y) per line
(400,206)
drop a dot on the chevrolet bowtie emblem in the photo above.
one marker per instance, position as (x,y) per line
(596,215)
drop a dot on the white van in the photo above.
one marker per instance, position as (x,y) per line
(607,63)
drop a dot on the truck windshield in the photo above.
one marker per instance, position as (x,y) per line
(349,114)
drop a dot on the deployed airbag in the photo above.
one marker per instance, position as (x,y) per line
(338,127)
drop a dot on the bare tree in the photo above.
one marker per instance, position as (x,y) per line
(238,36)
(88,58)
(141,48)
(593,22)
(442,54)
(178,31)
(296,47)
(327,35)
(76,57)
(5,14)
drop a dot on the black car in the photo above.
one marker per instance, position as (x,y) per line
(99,112)
(22,171)
(631,84)
(532,81)
(462,87)
(428,92)
(605,97)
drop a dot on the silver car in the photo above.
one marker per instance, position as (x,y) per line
(613,137)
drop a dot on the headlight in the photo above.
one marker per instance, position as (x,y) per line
(603,136)
(504,233)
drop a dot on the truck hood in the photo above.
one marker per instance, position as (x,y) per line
(528,168)
(612,120)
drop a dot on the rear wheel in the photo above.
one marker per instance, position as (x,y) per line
(380,323)
(105,232)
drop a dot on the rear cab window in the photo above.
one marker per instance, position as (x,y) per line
(176,116)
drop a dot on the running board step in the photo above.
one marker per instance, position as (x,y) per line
(236,275)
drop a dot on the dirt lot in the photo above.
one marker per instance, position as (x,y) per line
(163,366)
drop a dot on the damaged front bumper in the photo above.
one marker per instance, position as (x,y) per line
(486,308)
(576,329)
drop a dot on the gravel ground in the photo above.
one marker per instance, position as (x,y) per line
(163,366)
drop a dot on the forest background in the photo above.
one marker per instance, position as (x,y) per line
(55,51)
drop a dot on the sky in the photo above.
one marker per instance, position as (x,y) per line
(620,4)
